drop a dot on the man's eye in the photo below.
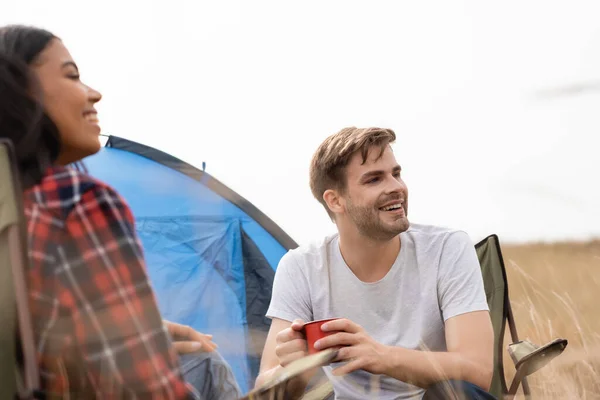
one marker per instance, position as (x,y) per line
(373,180)
(74,77)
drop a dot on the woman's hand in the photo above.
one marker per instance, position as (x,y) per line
(187,340)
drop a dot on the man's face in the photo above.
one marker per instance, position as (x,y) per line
(376,198)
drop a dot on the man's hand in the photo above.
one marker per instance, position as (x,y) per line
(357,348)
(187,340)
(291,344)
(285,344)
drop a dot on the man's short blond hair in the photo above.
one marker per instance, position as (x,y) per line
(328,165)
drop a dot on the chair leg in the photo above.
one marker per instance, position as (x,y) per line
(525,386)
(514,386)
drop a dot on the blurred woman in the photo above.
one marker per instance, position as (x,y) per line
(96,323)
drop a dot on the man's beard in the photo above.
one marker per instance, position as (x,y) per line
(370,225)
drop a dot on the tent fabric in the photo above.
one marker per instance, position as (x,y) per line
(211,255)
(259,281)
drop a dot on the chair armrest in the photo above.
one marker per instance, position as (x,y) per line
(274,389)
(529,357)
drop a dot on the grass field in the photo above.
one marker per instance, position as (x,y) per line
(555,292)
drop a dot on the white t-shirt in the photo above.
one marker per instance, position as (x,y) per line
(436,276)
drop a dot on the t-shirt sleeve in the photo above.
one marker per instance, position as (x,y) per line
(290,297)
(460,283)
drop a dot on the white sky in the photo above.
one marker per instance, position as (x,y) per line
(252,88)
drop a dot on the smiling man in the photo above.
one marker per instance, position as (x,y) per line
(412,314)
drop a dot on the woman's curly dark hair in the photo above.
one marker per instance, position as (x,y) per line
(22,117)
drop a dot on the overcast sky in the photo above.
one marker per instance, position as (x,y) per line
(486,142)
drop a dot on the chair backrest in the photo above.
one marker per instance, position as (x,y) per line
(496,289)
(16,333)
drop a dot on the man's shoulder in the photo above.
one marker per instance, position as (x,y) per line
(311,252)
(433,232)
(435,238)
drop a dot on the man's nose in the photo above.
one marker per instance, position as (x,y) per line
(394,185)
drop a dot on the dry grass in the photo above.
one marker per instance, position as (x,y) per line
(555,292)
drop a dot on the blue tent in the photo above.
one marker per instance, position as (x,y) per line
(211,254)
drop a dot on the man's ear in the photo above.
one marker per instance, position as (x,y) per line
(334,201)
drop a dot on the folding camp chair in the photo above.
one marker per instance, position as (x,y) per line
(527,357)
(19,376)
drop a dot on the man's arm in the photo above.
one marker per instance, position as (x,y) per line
(469,355)
(468,328)
(285,343)
(290,301)
(269,363)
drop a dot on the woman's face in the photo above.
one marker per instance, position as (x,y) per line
(68,102)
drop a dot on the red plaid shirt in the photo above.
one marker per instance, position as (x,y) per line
(97,325)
